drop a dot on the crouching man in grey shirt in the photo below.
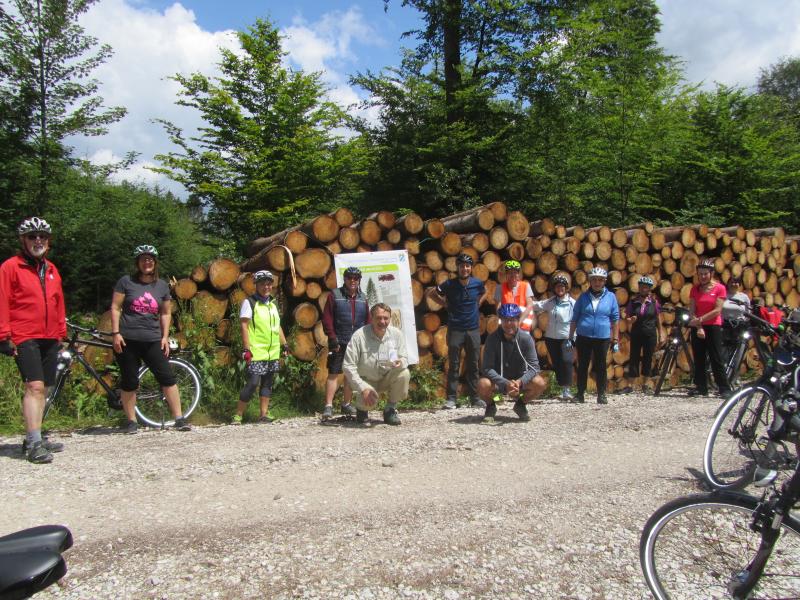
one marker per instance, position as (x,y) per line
(376,361)
(510,366)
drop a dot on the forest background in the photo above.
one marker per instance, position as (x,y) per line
(568,109)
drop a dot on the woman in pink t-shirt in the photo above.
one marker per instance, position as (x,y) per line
(705,307)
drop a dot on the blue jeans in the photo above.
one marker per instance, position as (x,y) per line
(471,342)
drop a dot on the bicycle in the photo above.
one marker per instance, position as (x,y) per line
(729,544)
(151,407)
(736,443)
(677,343)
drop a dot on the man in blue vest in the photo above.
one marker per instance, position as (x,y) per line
(464,297)
(346,311)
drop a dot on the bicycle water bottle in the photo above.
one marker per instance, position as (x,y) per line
(64,360)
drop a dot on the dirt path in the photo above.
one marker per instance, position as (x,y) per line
(440,507)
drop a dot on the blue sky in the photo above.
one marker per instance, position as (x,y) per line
(724,41)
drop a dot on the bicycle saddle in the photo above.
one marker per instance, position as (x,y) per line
(24,574)
(53,538)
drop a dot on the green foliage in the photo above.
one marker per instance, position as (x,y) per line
(268,155)
(425,388)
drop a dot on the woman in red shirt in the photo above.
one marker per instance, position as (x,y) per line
(705,307)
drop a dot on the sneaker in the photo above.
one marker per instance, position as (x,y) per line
(348,410)
(181,424)
(327,413)
(696,392)
(522,411)
(49,446)
(488,416)
(450,404)
(131,427)
(390,417)
(601,399)
(267,418)
(38,454)
(236,420)
(362,416)
(566,395)
(478,403)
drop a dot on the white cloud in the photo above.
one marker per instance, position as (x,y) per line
(728,41)
(150,46)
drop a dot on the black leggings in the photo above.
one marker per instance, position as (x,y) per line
(131,357)
(561,359)
(253,380)
(642,343)
(594,350)
(712,346)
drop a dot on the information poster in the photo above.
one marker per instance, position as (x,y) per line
(386,277)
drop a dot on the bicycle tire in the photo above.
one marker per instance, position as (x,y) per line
(693,546)
(733,450)
(734,367)
(664,367)
(151,407)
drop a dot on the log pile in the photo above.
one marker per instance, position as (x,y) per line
(766,259)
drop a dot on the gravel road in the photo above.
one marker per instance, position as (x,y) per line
(440,507)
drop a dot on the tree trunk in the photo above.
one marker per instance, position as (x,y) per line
(470,221)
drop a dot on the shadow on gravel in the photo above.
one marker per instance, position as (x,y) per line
(478,420)
(12,451)
(344,422)
(100,431)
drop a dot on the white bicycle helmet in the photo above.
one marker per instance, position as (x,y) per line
(598,272)
(33,225)
(145,249)
(263,275)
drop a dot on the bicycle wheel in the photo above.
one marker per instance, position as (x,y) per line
(734,447)
(151,407)
(694,546)
(664,368)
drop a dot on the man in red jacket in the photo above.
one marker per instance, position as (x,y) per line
(32,326)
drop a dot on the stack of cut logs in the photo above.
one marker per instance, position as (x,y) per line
(301,258)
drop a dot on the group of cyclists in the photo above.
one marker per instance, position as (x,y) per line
(33,324)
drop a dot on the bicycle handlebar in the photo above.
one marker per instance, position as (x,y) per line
(93,331)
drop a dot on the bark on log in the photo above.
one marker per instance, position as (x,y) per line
(542,227)
(469,221)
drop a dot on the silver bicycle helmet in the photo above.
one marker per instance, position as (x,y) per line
(145,249)
(559,279)
(34,225)
(263,276)
(706,263)
(598,272)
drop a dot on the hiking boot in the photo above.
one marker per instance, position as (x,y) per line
(488,416)
(362,416)
(348,410)
(131,428)
(267,418)
(450,404)
(38,454)
(601,399)
(579,397)
(327,413)
(49,446)
(181,424)
(696,392)
(390,417)
(478,403)
(236,420)
(566,395)
(521,410)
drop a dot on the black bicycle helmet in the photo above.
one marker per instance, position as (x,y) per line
(352,272)
(464,258)
(34,225)
(145,249)
(645,280)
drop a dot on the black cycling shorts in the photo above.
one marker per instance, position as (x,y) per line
(37,359)
(130,359)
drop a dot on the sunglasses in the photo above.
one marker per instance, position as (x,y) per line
(37,236)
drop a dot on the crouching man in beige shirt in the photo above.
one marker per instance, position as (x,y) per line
(377,361)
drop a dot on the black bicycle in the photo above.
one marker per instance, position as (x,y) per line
(728,544)
(151,407)
(676,344)
(737,442)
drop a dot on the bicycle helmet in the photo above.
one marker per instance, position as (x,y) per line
(145,249)
(645,280)
(598,272)
(706,263)
(33,225)
(513,264)
(352,272)
(559,279)
(263,276)
(509,311)
(464,258)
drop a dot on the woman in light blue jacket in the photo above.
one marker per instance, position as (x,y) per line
(556,336)
(595,318)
